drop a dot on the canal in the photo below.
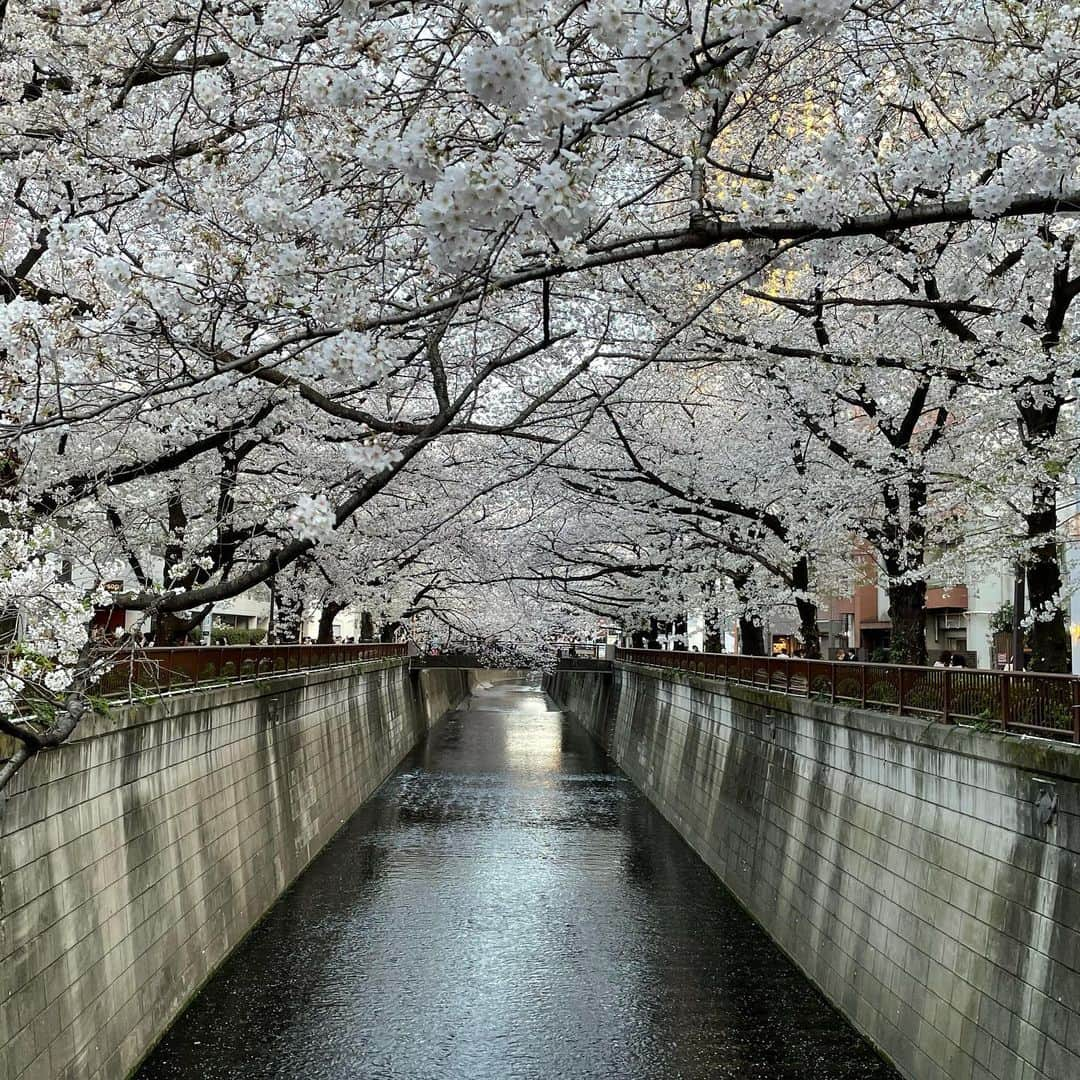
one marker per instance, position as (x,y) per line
(509,905)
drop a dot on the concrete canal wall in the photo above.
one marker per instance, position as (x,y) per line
(136,857)
(903,865)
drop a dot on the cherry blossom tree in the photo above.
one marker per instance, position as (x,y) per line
(265,266)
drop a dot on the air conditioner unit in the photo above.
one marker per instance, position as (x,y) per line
(952,620)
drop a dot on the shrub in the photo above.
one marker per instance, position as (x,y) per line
(237,635)
(882,692)
(925,695)
(1002,619)
(848,686)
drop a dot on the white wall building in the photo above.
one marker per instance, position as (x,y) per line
(347,624)
(248,610)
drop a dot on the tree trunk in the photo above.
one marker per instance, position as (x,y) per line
(808,610)
(327,614)
(171,628)
(367,626)
(808,629)
(1047,637)
(751,637)
(907,612)
(751,633)
(288,620)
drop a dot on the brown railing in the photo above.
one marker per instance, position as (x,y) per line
(1026,702)
(145,672)
(579,663)
(583,650)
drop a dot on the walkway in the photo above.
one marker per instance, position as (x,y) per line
(508,905)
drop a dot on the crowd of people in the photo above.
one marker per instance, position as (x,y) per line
(946,659)
(950,659)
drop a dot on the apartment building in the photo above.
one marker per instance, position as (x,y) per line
(958,618)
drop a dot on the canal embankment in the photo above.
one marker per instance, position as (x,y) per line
(134,858)
(926,877)
(508,904)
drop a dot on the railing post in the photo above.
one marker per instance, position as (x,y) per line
(862,672)
(1006,700)
(833,691)
(947,696)
(1076,710)
(900,689)
(787,677)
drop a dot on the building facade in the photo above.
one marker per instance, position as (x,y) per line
(249,610)
(959,618)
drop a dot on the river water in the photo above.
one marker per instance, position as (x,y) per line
(508,905)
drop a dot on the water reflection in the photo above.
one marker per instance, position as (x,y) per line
(509,906)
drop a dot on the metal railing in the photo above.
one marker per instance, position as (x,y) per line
(446,660)
(513,654)
(1027,702)
(145,672)
(581,650)
(582,663)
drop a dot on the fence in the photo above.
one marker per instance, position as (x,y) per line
(447,660)
(1030,703)
(578,663)
(143,672)
(583,650)
(514,654)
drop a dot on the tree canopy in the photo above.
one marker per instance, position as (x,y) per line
(596,305)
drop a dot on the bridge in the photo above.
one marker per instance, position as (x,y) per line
(361,864)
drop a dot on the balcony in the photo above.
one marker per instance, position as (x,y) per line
(947,598)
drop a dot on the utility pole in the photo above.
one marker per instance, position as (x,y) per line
(273,604)
(1018,619)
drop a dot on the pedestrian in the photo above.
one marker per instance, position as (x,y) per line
(945,660)
(958,660)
